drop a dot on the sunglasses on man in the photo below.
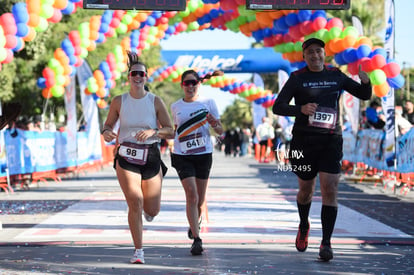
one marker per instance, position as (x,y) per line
(135,73)
(191,82)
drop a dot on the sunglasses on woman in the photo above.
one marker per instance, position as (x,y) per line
(191,82)
(135,73)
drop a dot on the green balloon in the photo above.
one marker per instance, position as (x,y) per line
(46,11)
(43,25)
(377,77)
(57,91)
(334,32)
(3,54)
(351,30)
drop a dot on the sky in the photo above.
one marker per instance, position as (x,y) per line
(228,40)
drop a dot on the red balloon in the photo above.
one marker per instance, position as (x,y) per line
(391,69)
(366,65)
(353,67)
(74,37)
(319,23)
(48,73)
(378,61)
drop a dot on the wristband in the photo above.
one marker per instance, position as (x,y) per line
(157,131)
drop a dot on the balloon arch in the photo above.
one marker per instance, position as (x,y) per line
(284,30)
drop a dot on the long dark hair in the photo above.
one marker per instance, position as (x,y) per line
(133,59)
(198,77)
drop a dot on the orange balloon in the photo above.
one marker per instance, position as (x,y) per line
(92,46)
(31,35)
(46,93)
(348,41)
(363,40)
(334,45)
(33,6)
(254,26)
(60,4)
(381,90)
(199,12)
(141,17)
(101,92)
(34,20)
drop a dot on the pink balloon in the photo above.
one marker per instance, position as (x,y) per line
(335,22)
(56,17)
(8,23)
(11,41)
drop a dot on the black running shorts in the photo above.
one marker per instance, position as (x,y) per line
(192,165)
(310,154)
(150,169)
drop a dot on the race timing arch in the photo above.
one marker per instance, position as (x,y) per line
(280,31)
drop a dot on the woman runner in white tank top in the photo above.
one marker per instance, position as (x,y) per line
(138,161)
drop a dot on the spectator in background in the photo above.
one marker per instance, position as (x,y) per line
(409,111)
(401,123)
(375,117)
(245,136)
(264,132)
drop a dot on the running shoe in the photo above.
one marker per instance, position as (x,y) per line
(302,239)
(197,247)
(190,233)
(147,217)
(325,253)
(138,257)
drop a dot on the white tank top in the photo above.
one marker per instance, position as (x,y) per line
(135,115)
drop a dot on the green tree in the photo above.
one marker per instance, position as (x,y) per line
(239,114)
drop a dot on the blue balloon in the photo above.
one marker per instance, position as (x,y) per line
(396,82)
(150,21)
(363,51)
(101,38)
(318,13)
(380,51)
(107,16)
(292,19)
(20,13)
(67,47)
(304,15)
(108,84)
(72,59)
(214,13)
(19,45)
(22,29)
(69,8)
(267,32)
(350,55)
(258,35)
(280,24)
(41,82)
(340,59)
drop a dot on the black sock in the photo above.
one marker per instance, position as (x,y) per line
(328,218)
(303,214)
